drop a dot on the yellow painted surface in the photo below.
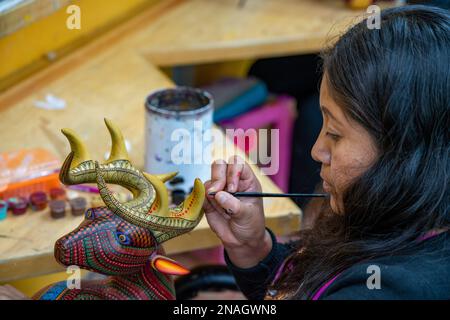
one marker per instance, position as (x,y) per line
(27,48)
(32,285)
(208,73)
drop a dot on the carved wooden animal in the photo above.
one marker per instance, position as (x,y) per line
(122,240)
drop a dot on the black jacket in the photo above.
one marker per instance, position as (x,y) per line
(424,274)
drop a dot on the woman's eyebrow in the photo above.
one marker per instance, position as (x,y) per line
(328,113)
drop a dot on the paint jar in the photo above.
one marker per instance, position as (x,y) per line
(78,206)
(58,194)
(57,209)
(3,209)
(178,135)
(18,205)
(38,200)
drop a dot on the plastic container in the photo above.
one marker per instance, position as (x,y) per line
(24,172)
(78,206)
(57,194)
(57,209)
(18,205)
(38,200)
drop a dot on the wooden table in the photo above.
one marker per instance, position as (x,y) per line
(108,78)
(202,31)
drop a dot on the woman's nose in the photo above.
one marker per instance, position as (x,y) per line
(320,152)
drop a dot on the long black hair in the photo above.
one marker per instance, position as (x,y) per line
(395,82)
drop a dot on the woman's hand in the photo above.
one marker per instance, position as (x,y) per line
(239,223)
(8,292)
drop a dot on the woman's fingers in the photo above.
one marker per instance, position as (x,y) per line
(249,179)
(234,170)
(217,223)
(230,204)
(218,176)
(217,208)
(210,204)
(216,217)
(236,175)
(207,206)
(241,177)
(234,220)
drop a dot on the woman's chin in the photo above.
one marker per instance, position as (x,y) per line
(333,204)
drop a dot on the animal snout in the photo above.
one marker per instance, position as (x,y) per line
(61,251)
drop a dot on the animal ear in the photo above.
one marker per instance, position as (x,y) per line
(168,266)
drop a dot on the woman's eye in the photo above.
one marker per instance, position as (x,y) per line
(123,238)
(333,136)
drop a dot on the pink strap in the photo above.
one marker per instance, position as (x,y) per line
(281,269)
(324,287)
(430,234)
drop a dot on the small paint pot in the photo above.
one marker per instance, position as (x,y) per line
(3,209)
(57,209)
(179,135)
(78,206)
(38,201)
(57,194)
(18,205)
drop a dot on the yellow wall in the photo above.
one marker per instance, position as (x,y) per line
(25,50)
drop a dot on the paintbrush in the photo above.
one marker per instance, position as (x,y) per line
(275,195)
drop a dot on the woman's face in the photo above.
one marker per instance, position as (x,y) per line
(345,149)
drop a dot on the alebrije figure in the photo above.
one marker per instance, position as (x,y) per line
(121,240)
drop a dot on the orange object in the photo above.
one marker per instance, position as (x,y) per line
(359,4)
(24,172)
(168,266)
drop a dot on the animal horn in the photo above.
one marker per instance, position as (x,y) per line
(182,218)
(191,208)
(166,176)
(118,149)
(188,210)
(149,207)
(77,147)
(164,222)
(77,167)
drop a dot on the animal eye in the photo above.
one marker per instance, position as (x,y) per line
(89,214)
(123,238)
